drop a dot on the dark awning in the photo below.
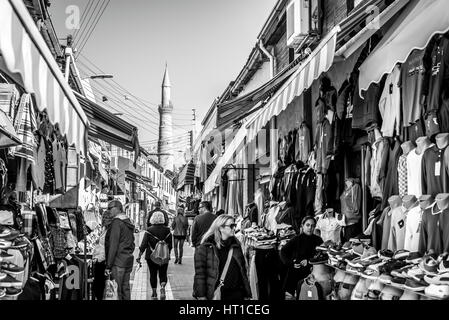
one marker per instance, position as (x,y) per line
(186,176)
(108,127)
(237,109)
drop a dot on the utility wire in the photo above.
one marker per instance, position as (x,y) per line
(90,24)
(87,24)
(83,18)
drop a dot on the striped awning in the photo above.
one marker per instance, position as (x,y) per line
(319,61)
(25,55)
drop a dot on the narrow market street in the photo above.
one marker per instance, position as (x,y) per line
(180,277)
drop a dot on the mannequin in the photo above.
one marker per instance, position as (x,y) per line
(426,201)
(442,140)
(396,240)
(442,201)
(377,134)
(394,201)
(422,144)
(410,201)
(407,146)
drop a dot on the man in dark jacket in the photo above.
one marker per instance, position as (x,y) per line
(119,249)
(202,222)
(157,207)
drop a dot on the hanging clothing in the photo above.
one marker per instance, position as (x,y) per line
(385,222)
(253,278)
(234,203)
(389,166)
(324,142)
(329,227)
(351,203)
(434,178)
(397,229)
(303,143)
(430,235)
(444,227)
(402,175)
(390,104)
(366,110)
(305,197)
(414,172)
(25,125)
(376,179)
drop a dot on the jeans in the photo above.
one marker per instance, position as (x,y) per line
(179,244)
(99,280)
(122,277)
(154,270)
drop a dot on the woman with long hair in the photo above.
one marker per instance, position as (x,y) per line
(179,227)
(211,257)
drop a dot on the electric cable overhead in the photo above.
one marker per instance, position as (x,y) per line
(83,18)
(86,25)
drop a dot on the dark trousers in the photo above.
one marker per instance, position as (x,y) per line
(179,245)
(99,280)
(154,270)
(122,277)
(268,278)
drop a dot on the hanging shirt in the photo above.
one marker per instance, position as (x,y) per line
(366,109)
(434,176)
(303,143)
(324,142)
(414,172)
(413,229)
(430,236)
(390,104)
(397,229)
(444,227)
(390,160)
(385,222)
(330,228)
(376,185)
(412,74)
(402,175)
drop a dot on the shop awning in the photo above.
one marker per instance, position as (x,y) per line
(25,55)
(186,176)
(413,29)
(319,61)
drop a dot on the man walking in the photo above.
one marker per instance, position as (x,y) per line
(157,207)
(202,222)
(119,248)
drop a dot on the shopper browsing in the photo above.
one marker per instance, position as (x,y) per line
(180,225)
(119,247)
(202,222)
(228,273)
(156,233)
(297,252)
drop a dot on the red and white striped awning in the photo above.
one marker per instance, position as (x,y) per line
(319,61)
(26,56)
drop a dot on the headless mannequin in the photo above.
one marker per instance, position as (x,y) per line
(394,201)
(422,144)
(442,140)
(410,202)
(407,147)
(330,213)
(442,200)
(426,201)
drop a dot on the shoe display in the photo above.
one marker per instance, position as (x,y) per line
(386,254)
(440,279)
(443,267)
(326,245)
(437,291)
(398,282)
(2,292)
(370,274)
(8,234)
(13,292)
(10,282)
(5,256)
(385,278)
(358,249)
(5,244)
(11,268)
(414,285)
(401,254)
(429,265)
(413,257)
(2,275)
(319,258)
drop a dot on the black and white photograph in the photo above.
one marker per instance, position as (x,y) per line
(260,153)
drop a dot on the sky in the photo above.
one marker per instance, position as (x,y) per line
(204,42)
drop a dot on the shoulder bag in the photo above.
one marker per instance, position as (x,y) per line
(217,293)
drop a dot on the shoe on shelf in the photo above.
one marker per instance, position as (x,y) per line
(386,254)
(5,244)
(11,268)
(415,285)
(5,256)
(163,293)
(9,234)
(385,278)
(2,292)
(325,246)
(10,282)
(370,274)
(437,291)
(13,292)
(414,257)
(401,254)
(358,249)
(2,275)
(443,267)
(440,279)
(398,282)
(429,265)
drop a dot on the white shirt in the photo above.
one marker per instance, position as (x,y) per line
(397,229)
(390,104)
(414,172)
(330,228)
(413,224)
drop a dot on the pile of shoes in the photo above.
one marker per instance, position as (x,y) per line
(10,287)
(396,275)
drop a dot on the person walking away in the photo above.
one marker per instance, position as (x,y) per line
(99,258)
(211,263)
(157,232)
(157,208)
(202,222)
(179,226)
(119,247)
(297,252)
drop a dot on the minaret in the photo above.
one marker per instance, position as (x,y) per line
(165,144)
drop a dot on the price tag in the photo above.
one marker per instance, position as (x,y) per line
(309,294)
(437,169)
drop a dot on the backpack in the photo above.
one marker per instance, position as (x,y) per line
(309,289)
(161,252)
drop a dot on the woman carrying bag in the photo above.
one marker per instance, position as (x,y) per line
(220,267)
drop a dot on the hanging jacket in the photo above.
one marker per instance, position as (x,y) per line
(350,203)
(303,143)
(324,142)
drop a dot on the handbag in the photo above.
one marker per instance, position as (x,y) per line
(217,292)
(110,290)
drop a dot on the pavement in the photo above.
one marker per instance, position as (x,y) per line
(180,277)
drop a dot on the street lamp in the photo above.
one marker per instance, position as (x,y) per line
(101,76)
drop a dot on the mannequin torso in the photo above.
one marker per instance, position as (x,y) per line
(422,143)
(442,140)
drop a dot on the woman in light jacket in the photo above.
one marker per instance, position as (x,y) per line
(210,259)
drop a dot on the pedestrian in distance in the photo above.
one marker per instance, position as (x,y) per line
(297,252)
(156,233)
(220,268)
(157,208)
(179,226)
(202,222)
(119,248)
